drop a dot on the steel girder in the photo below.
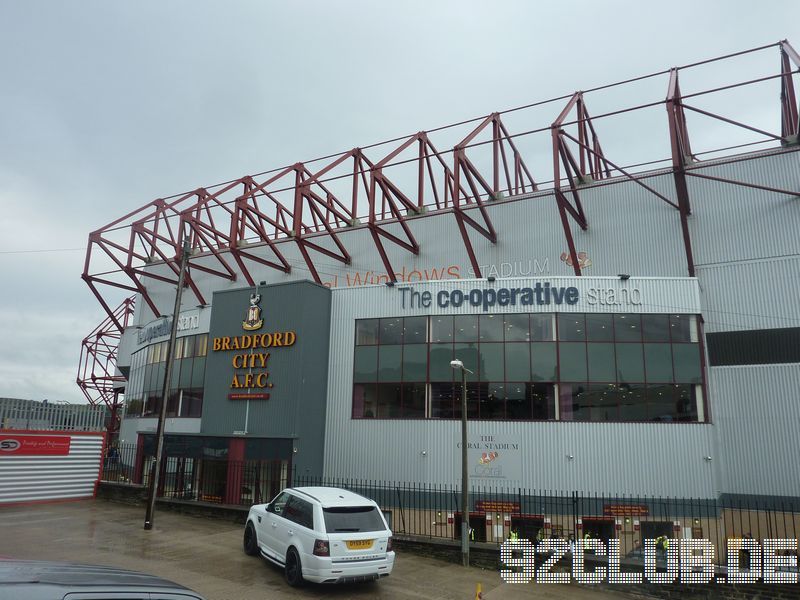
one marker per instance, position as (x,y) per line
(97,377)
(246,222)
(469,185)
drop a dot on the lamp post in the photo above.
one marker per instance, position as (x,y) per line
(458,365)
(153,487)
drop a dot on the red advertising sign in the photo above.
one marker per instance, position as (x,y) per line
(34,445)
(496,506)
(626,510)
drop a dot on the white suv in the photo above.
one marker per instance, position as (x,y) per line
(321,534)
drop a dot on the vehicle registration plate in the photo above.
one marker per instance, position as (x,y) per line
(358,544)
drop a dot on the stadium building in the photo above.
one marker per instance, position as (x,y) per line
(629,329)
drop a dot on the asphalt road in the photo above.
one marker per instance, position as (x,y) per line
(206,555)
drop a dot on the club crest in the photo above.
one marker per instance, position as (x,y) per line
(254,320)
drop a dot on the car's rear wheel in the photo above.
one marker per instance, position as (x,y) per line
(250,541)
(293,570)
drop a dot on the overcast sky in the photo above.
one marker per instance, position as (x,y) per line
(105,106)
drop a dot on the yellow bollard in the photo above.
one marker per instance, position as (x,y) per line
(478,592)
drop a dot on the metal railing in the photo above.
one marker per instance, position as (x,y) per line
(432,511)
(34,415)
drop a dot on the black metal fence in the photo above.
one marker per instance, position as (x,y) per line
(433,511)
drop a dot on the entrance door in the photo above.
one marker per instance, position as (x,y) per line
(654,529)
(528,528)
(477,522)
(213,480)
(599,529)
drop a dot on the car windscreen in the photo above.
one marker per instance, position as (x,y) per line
(343,519)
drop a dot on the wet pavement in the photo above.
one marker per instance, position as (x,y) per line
(206,555)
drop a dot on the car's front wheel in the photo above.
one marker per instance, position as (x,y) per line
(293,570)
(250,541)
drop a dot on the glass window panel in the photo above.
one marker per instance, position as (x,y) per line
(602,366)
(467,354)
(157,381)
(198,371)
(366,332)
(518,408)
(185,379)
(365,401)
(604,401)
(188,346)
(627,328)
(600,327)
(413,400)
(415,362)
(178,348)
(571,402)
(491,328)
(389,401)
(544,361)
(680,328)
(542,328)
(571,327)
(175,381)
(441,329)
(172,403)
(572,361)
(391,331)
(518,362)
(442,400)
(658,363)
(390,363)
(466,328)
(415,330)
(655,328)
(492,368)
(630,363)
(686,402)
(493,404)
(365,364)
(660,403)
(192,403)
(202,345)
(440,357)
(517,328)
(543,400)
(687,363)
(632,402)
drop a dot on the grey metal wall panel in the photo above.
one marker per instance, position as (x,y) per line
(298,373)
(733,223)
(612,458)
(758,294)
(27,478)
(757,411)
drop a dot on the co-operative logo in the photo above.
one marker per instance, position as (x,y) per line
(9,445)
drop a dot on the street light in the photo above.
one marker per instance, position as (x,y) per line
(458,365)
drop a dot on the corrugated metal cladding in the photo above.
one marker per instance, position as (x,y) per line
(757,412)
(36,478)
(732,223)
(758,294)
(612,458)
